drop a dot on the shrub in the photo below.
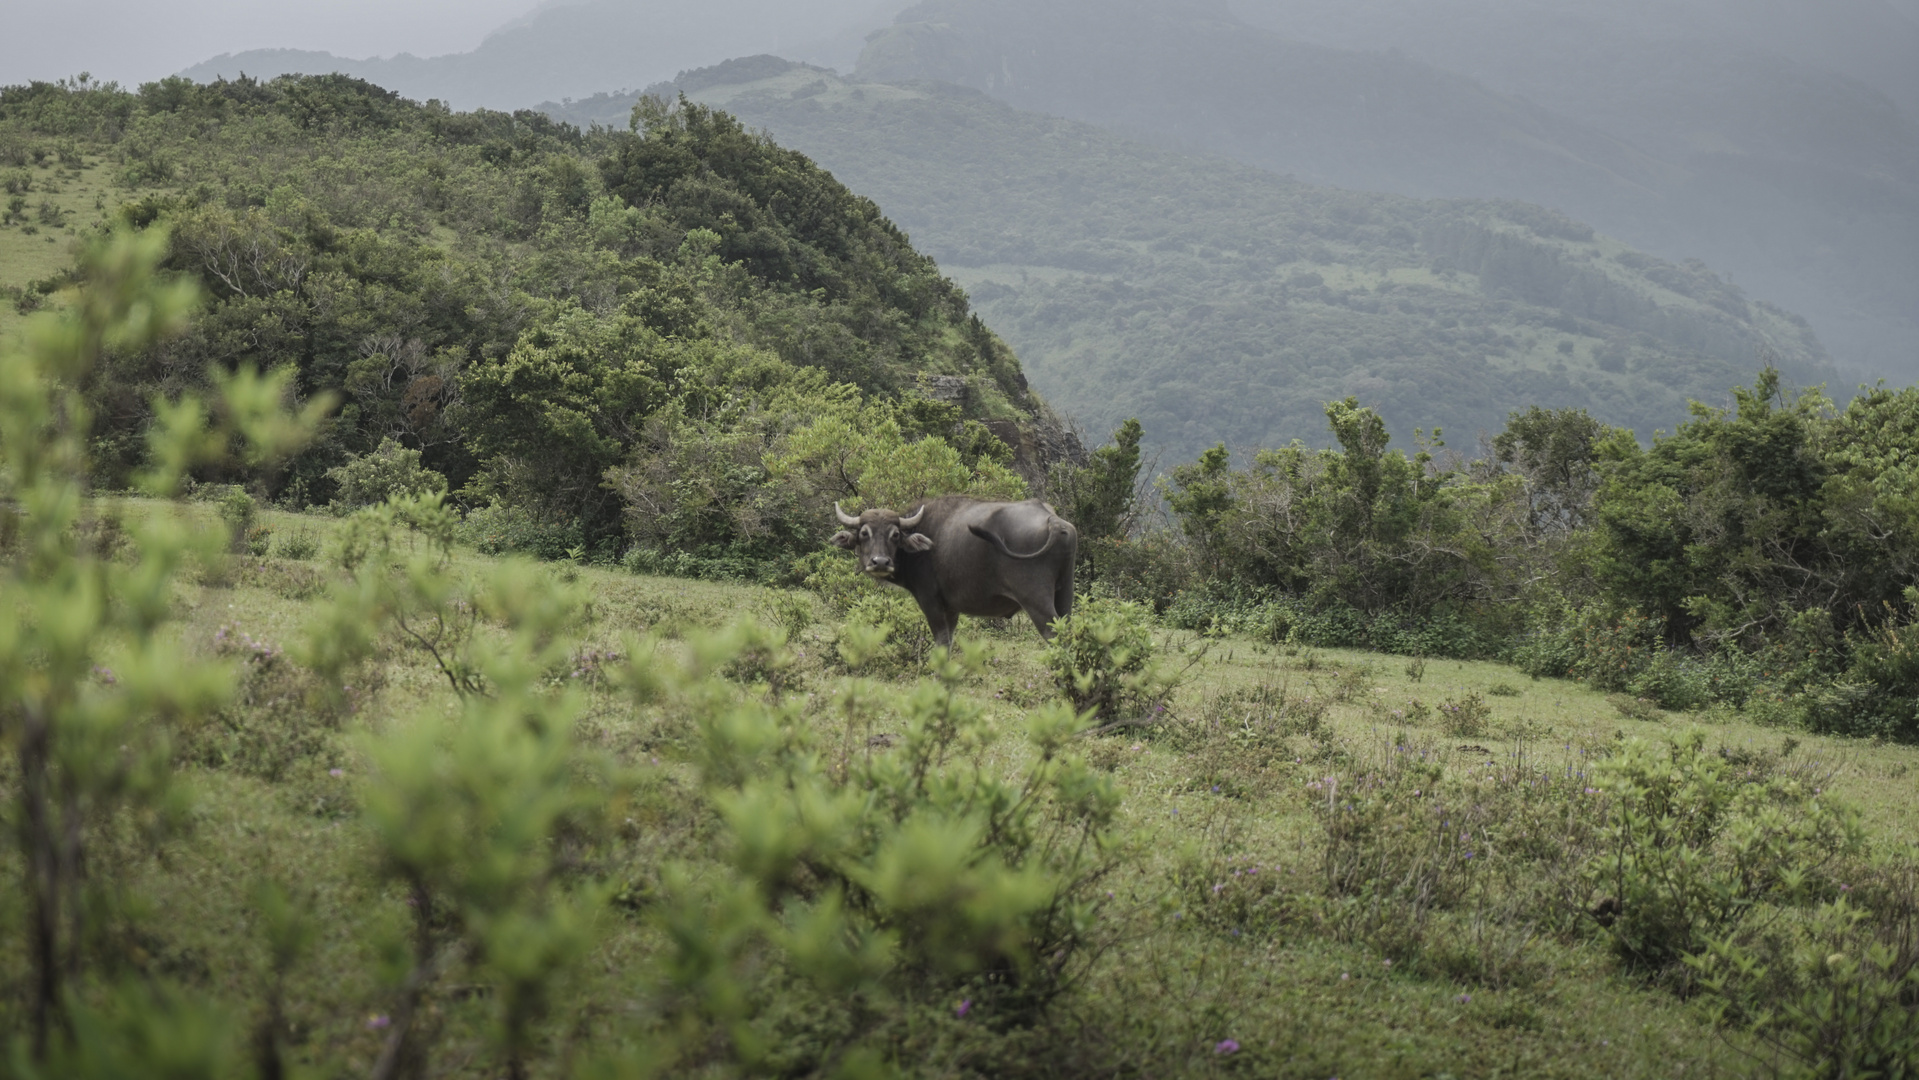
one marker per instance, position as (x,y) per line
(889,883)
(298,545)
(373,478)
(1673,679)
(1465,717)
(87,745)
(1633,708)
(237,509)
(1835,989)
(1885,661)
(278,718)
(1691,846)
(1101,659)
(1154,568)
(501,530)
(789,610)
(901,640)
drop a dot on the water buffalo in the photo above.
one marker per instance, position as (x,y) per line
(958,556)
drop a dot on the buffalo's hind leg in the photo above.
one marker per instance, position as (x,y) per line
(1046,613)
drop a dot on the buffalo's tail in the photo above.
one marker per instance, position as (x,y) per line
(1000,545)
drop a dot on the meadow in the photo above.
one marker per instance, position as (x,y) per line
(1233,938)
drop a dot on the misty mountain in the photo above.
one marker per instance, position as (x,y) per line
(576,49)
(1569,55)
(1801,181)
(1217,300)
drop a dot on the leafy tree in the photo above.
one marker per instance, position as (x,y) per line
(1718,529)
(91,743)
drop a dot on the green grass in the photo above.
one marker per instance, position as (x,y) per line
(83,193)
(1297,1000)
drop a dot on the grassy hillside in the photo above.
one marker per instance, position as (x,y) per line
(1224,901)
(51,197)
(1221,302)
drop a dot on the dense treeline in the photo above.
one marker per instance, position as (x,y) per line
(1760,557)
(540,314)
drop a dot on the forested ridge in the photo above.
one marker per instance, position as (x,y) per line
(1218,301)
(542,314)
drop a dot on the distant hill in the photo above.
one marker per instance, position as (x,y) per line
(1223,302)
(1801,181)
(573,50)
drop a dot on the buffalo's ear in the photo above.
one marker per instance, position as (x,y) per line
(842,539)
(919,542)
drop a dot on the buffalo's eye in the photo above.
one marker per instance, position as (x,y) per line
(895,537)
(866,532)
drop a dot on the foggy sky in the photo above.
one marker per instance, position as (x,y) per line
(135,41)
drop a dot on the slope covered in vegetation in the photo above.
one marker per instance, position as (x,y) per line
(1220,302)
(361,800)
(1799,182)
(565,326)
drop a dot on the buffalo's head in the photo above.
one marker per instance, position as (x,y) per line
(878,536)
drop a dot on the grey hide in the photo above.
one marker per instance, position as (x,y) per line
(959,556)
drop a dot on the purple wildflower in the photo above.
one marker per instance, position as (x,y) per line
(1226,1046)
(336,773)
(965,1006)
(378,1021)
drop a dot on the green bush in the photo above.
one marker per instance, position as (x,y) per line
(1101,659)
(237,509)
(903,641)
(1692,844)
(1834,989)
(1465,717)
(884,884)
(372,478)
(1885,662)
(298,545)
(502,530)
(96,690)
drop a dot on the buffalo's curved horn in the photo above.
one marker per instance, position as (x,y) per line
(909,522)
(845,518)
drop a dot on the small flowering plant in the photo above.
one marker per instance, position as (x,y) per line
(1244,894)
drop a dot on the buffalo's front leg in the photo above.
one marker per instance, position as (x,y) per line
(938,619)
